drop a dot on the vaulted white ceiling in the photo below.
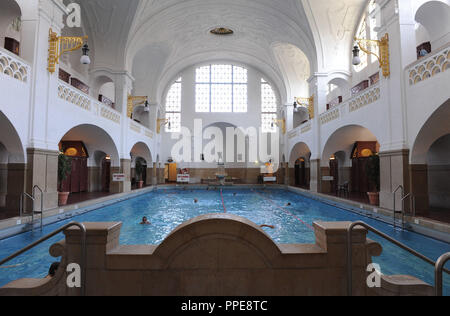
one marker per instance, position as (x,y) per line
(155,40)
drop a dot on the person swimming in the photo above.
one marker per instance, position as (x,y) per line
(145,221)
(289,204)
(195,201)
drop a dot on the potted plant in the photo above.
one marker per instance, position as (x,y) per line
(373,173)
(139,172)
(64,170)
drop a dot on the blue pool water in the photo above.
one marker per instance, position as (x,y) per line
(166,209)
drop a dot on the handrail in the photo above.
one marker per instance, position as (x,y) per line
(438,273)
(56,232)
(383,235)
(21,212)
(42,207)
(403,207)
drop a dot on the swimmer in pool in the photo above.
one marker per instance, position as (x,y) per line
(196,201)
(268,226)
(145,221)
(289,204)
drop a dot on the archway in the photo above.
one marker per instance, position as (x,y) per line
(94,158)
(344,161)
(433,23)
(141,156)
(10,26)
(429,166)
(12,169)
(299,166)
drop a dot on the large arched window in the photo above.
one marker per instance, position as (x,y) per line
(269,107)
(221,89)
(367,30)
(173,107)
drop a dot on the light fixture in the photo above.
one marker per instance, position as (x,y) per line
(85,60)
(307,103)
(356,59)
(131,104)
(59,45)
(382,56)
(146,106)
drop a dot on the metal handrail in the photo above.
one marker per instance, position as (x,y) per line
(42,207)
(438,273)
(403,206)
(56,232)
(21,212)
(383,235)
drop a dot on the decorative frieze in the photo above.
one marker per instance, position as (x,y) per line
(329,116)
(371,96)
(73,96)
(430,66)
(306,127)
(12,66)
(110,114)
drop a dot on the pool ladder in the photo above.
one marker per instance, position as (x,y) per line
(438,266)
(32,197)
(402,211)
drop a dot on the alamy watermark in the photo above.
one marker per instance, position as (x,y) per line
(232,145)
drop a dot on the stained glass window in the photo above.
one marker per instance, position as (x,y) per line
(221,89)
(269,107)
(173,107)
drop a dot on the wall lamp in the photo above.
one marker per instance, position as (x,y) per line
(59,45)
(307,103)
(382,56)
(160,123)
(131,104)
(278,123)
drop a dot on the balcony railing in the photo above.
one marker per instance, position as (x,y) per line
(362,99)
(429,66)
(87,103)
(13,66)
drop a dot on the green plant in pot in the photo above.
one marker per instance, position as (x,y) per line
(64,170)
(140,168)
(373,174)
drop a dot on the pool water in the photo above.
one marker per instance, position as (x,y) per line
(167,209)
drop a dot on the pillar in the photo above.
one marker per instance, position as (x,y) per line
(394,171)
(315,176)
(124,168)
(42,170)
(419,189)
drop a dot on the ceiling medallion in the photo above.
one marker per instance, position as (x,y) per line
(222,31)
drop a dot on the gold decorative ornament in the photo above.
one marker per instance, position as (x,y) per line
(282,123)
(131,104)
(222,31)
(59,45)
(307,103)
(382,56)
(160,123)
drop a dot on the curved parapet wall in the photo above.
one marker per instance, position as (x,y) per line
(216,254)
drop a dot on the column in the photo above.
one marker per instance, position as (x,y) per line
(394,169)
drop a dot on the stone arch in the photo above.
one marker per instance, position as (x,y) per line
(10,10)
(434,16)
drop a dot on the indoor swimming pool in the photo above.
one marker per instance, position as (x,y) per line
(292,216)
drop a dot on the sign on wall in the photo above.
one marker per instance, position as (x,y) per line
(118,177)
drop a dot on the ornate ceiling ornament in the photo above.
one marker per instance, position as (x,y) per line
(222,31)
